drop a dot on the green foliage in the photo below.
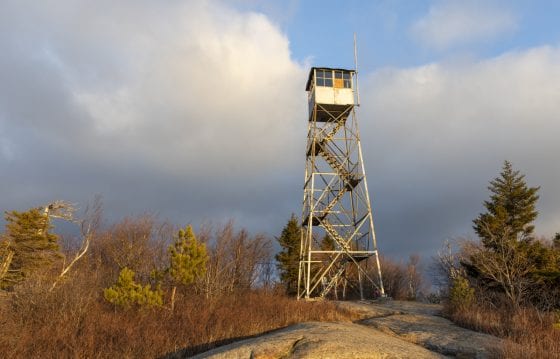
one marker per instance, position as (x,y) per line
(510,261)
(506,260)
(27,247)
(288,258)
(126,292)
(545,259)
(461,294)
(327,243)
(511,208)
(187,257)
(433,298)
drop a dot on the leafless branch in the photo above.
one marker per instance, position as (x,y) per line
(88,225)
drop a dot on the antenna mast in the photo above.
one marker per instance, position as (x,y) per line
(356,69)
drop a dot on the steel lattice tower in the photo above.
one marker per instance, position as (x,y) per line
(335,200)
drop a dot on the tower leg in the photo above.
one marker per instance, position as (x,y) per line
(360,283)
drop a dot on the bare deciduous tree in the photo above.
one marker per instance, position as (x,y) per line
(394,278)
(88,228)
(138,243)
(415,282)
(503,267)
(446,266)
(237,260)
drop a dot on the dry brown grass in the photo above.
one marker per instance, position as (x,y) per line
(528,332)
(74,321)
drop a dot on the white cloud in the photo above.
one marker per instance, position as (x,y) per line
(193,110)
(452,23)
(191,88)
(444,131)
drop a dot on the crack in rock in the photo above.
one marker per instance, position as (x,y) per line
(292,348)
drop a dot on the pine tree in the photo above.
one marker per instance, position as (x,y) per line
(511,208)
(27,246)
(127,293)
(187,257)
(187,260)
(288,258)
(461,294)
(507,259)
(327,243)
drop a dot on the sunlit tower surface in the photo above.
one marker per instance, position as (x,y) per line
(336,202)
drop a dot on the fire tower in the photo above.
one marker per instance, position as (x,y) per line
(338,239)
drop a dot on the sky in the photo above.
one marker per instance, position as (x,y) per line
(196,110)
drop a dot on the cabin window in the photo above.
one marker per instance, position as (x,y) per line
(341,79)
(324,78)
(347,80)
(338,81)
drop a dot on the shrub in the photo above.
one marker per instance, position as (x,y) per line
(461,294)
(126,293)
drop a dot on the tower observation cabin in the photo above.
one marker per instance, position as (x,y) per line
(332,88)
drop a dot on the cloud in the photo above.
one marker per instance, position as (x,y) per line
(193,95)
(207,86)
(435,135)
(195,110)
(453,23)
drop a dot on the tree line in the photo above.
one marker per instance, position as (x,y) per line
(143,262)
(140,261)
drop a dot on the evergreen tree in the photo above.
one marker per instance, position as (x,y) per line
(508,260)
(510,210)
(556,241)
(26,247)
(461,294)
(288,258)
(126,292)
(187,260)
(187,257)
(327,243)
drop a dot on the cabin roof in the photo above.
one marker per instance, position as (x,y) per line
(310,77)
